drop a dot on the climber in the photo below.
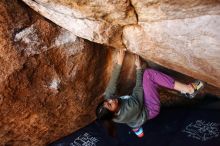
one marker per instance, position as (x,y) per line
(144,102)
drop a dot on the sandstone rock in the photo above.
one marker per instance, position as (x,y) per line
(188,45)
(181,35)
(97,21)
(50,79)
(10,60)
(157,10)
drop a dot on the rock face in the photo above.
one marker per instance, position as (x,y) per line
(97,21)
(50,79)
(181,35)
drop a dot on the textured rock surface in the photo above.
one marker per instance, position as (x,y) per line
(181,35)
(50,79)
(9,58)
(95,20)
(157,10)
(192,50)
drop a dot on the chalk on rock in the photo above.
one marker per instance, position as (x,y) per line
(54,84)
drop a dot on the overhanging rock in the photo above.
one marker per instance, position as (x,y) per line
(97,21)
(178,35)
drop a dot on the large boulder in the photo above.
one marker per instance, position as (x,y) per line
(97,21)
(51,80)
(181,35)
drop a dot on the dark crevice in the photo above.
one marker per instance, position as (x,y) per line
(135,12)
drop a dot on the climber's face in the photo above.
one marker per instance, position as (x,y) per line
(112,105)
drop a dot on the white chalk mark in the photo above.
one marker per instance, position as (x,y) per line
(202,130)
(85,140)
(54,84)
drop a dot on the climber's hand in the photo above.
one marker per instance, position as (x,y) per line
(120,56)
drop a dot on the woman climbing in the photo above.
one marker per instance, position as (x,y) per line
(144,102)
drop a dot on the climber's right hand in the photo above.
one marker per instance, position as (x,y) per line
(120,57)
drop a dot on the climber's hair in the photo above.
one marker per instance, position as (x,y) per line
(102,113)
(106,117)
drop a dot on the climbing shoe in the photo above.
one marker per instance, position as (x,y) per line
(197,86)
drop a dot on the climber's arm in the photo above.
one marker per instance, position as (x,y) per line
(111,87)
(138,89)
